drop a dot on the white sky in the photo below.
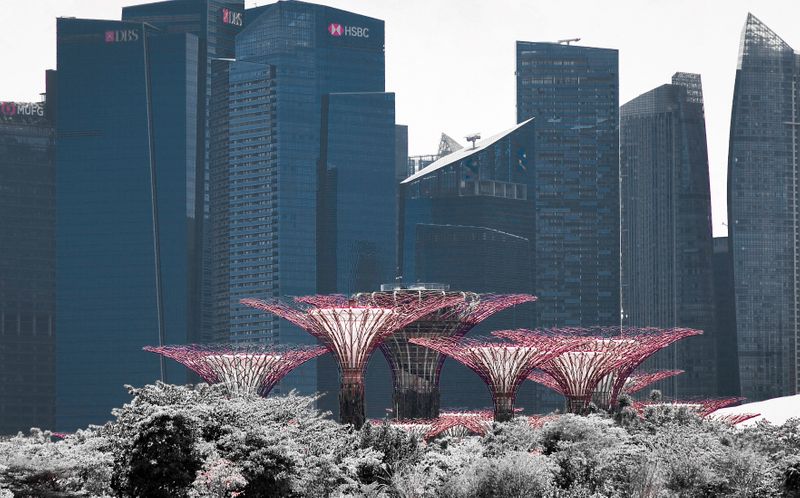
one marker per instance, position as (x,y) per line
(451,62)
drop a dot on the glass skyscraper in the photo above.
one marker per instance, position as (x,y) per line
(667,246)
(126,196)
(309,82)
(27,265)
(573,92)
(763,212)
(725,307)
(467,222)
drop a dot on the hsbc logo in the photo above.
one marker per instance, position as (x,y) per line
(337,30)
(122,35)
(231,17)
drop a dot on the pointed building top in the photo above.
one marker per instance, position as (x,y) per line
(758,37)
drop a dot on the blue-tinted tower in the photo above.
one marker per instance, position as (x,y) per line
(763,212)
(126,198)
(573,92)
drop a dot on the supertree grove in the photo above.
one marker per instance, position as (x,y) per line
(503,366)
(416,369)
(243,369)
(352,328)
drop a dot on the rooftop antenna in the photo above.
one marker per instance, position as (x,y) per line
(569,40)
(473,137)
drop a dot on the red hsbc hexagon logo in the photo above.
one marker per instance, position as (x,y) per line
(335,29)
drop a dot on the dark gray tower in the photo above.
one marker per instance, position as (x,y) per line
(667,245)
(573,92)
(763,211)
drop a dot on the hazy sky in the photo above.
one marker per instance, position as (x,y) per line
(451,62)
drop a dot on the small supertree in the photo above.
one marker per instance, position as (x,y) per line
(243,369)
(459,424)
(417,427)
(599,369)
(503,366)
(416,369)
(733,418)
(640,379)
(702,407)
(352,328)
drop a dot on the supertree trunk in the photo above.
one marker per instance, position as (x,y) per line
(576,405)
(503,407)
(414,403)
(351,399)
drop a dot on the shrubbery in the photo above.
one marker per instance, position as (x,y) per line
(196,442)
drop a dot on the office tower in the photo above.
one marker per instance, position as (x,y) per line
(573,92)
(763,211)
(27,266)
(324,96)
(667,246)
(216,24)
(467,222)
(127,226)
(725,329)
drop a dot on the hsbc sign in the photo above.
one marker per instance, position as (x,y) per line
(231,17)
(336,29)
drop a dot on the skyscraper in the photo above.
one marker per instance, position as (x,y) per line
(323,97)
(467,222)
(27,265)
(127,226)
(215,23)
(667,245)
(573,92)
(725,330)
(763,212)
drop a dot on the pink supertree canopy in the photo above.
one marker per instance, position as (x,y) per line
(416,369)
(600,367)
(503,366)
(734,418)
(640,379)
(352,327)
(702,407)
(455,423)
(243,369)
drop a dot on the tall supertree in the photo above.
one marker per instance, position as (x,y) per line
(352,328)
(416,369)
(503,366)
(243,369)
(599,369)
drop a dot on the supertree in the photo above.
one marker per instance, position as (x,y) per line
(243,369)
(599,369)
(415,369)
(640,379)
(352,328)
(457,423)
(503,366)
(733,418)
(417,427)
(702,407)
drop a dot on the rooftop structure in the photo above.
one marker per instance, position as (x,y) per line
(243,369)
(503,366)
(416,369)
(600,368)
(352,328)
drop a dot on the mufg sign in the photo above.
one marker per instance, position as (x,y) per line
(21,109)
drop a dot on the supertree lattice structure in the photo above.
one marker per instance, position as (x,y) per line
(734,418)
(352,328)
(417,427)
(702,407)
(460,424)
(416,369)
(243,369)
(599,369)
(503,366)
(639,380)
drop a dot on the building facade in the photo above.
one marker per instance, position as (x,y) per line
(725,307)
(127,229)
(467,222)
(573,92)
(763,212)
(667,246)
(27,266)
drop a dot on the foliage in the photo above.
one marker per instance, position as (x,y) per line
(199,442)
